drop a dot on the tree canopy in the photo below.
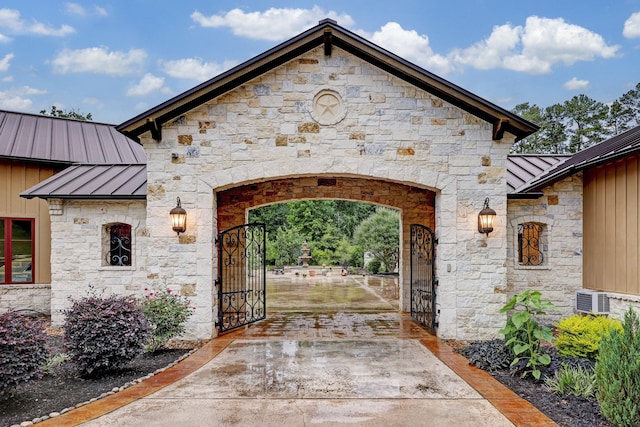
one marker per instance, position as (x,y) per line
(577,123)
(328,227)
(66,114)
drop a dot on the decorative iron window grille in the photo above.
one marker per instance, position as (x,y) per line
(119,245)
(529,244)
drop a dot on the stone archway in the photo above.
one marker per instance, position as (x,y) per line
(416,205)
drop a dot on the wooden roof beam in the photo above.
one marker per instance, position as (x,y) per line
(328,41)
(156,130)
(499,128)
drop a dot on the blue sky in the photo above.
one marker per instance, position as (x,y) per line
(116,59)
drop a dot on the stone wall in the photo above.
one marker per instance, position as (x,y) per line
(335,117)
(560,275)
(28,299)
(78,252)
(619,304)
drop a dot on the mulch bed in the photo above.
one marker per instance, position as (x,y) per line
(566,411)
(63,388)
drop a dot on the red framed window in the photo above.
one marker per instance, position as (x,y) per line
(16,250)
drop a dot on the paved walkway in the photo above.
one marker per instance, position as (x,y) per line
(303,366)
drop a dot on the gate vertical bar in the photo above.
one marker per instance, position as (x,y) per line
(242,276)
(423,278)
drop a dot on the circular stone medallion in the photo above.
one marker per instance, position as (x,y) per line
(328,108)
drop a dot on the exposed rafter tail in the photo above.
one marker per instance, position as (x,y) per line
(328,42)
(498,129)
(156,131)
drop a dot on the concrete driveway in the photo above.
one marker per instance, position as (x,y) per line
(332,352)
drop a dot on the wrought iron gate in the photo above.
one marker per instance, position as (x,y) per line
(423,277)
(241,276)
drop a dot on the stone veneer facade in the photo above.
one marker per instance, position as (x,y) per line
(315,116)
(560,275)
(78,250)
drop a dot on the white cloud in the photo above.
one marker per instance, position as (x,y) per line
(5,62)
(94,103)
(272,24)
(409,45)
(4,39)
(148,84)
(535,47)
(16,99)
(78,9)
(75,9)
(43,30)
(195,69)
(575,84)
(631,28)
(99,60)
(7,79)
(489,53)
(10,20)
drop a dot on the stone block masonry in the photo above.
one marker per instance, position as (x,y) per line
(331,118)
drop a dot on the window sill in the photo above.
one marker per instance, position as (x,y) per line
(532,267)
(116,268)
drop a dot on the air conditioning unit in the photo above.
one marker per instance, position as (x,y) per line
(592,302)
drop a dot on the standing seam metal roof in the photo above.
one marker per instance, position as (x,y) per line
(93,182)
(49,139)
(613,148)
(524,168)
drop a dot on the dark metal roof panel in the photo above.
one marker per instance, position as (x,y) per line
(613,148)
(93,182)
(56,140)
(524,168)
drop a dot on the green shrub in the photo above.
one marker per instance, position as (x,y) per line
(580,336)
(374,266)
(618,374)
(167,314)
(523,333)
(22,351)
(578,381)
(104,333)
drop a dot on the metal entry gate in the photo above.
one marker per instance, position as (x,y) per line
(423,277)
(242,276)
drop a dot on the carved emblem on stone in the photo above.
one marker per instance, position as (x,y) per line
(328,108)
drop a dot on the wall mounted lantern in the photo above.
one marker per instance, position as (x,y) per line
(178,218)
(486,218)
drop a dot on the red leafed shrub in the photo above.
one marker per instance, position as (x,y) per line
(104,333)
(22,351)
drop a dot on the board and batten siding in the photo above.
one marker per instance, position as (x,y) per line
(611,226)
(15,177)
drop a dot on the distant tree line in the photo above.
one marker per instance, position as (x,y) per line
(577,123)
